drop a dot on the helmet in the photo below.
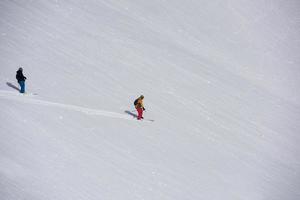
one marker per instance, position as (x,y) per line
(20,69)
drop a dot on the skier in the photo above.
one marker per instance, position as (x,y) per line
(138,103)
(21,79)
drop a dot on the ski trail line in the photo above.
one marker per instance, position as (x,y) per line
(31,100)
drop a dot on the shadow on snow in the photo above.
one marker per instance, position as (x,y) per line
(130,113)
(12,86)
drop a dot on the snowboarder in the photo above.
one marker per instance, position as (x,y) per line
(138,103)
(21,79)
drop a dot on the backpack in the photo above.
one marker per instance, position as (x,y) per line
(135,102)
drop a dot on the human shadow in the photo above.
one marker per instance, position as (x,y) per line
(131,113)
(12,86)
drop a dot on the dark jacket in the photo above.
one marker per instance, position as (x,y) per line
(20,76)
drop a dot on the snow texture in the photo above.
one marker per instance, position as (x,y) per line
(220,79)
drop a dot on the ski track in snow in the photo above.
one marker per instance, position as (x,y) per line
(30,99)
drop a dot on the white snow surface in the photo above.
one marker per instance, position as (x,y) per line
(220,78)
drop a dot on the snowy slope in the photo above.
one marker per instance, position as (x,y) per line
(220,79)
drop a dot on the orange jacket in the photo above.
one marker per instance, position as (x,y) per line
(140,103)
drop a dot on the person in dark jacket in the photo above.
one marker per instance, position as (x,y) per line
(21,79)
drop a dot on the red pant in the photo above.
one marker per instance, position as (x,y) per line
(140,113)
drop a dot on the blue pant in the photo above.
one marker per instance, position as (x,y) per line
(22,85)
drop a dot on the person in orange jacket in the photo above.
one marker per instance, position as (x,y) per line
(139,106)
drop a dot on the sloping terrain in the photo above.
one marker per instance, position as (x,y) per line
(220,80)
